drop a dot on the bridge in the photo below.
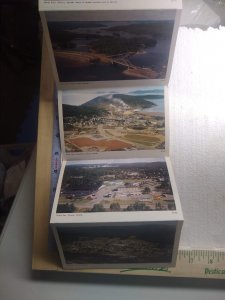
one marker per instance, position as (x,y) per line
(121,59)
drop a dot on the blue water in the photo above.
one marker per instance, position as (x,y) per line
(154,57)
(93,72)
(158,108)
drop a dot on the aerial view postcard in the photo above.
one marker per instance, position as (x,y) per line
(120,120)
(115,186)
(120,45)
(112,245)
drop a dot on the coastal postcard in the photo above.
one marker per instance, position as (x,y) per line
(110,122)
(111,46)
(141,245)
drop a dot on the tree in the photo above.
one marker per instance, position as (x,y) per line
(115,207)
(137,206)
(158,206)
(97,208)
(171,206)
(146,190)
(66,208)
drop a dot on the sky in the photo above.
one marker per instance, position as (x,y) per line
(72,97)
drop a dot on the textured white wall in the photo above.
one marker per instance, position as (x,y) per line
(197,134)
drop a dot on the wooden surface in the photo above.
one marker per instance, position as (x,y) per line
(42,258)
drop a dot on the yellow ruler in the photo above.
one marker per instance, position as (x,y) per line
(200,263)
(190,263)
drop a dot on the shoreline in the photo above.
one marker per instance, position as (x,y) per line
(81,59)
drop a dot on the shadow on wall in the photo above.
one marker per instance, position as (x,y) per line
(20,71)
(20,57)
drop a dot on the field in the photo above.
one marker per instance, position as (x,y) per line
(115,122)
(88,144)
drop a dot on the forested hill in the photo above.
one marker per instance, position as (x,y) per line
(133,101)
(80,111)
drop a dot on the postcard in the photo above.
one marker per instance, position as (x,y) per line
(117,190)
(111,46)
(105,123)
(138,245)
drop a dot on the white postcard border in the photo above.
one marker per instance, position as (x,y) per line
(52,5)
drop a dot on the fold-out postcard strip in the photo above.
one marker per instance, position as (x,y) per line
(116,203)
